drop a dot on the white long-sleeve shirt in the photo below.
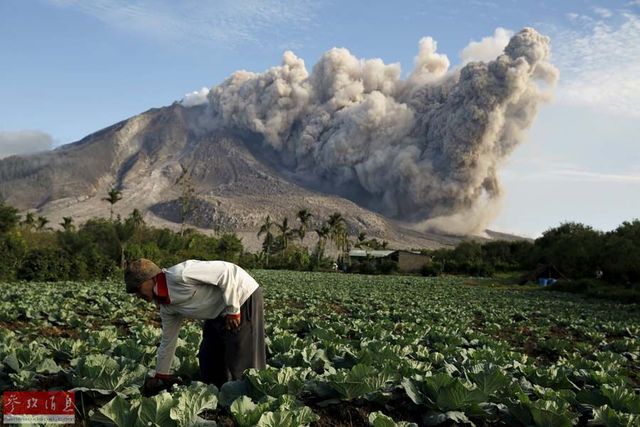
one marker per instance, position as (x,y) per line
(199,290)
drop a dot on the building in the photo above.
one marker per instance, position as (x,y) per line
(407,261)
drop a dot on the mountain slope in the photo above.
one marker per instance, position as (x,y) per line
(235,184)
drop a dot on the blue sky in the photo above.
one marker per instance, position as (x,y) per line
(69,68)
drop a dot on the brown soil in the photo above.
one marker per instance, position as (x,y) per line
(222,418)
(341,415)
(57,331)
(14,326)
(337,308)
(46,331)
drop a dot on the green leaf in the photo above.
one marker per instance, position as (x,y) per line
(621,398)
(48,366)
(120,412)
(488,378)
(277,382)
(155,411)
(433,385)
(608,417)
(412,391)
(458,397)
(279,419)
(378,419)
(296,418)
(24,380)
(245,412)
(104,374)
(547,414)
(232,390)
(192,400)
(357,382)
(592,397)
(436,418)
(33,357)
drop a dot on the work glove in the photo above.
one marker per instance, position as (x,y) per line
(154,385)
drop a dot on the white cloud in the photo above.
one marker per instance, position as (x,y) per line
(488,48)
(229,23)
(603,12)
(549,169)
(600,67)
(589,176)
(24,142)
(572,16)
(197,97)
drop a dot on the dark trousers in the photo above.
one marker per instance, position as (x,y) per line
(224,355)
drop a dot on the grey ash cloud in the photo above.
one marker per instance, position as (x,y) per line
(24,142)
(425,150)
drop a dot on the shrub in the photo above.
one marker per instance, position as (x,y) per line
(431,269)
(45,265)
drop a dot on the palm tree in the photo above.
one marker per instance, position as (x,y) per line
(29,220)
(337,227)
(42,222)
(338,233)
(136,219)
(304,216)
(67,223)
(114,196)
(285,232)
(362,237)
(323,233)
(265,229)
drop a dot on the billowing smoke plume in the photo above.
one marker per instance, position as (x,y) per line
(425,149)
(24,142)
(197,97)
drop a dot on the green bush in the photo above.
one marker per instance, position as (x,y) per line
(45,265)
(431,269)
(373,266)
(595,288)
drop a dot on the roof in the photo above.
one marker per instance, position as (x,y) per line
(362,253)
(412,252)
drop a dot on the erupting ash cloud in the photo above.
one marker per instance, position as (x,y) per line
(425,149)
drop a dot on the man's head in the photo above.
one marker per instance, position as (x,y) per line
(138,277)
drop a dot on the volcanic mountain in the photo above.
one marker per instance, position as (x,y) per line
(235,184)
(350,136)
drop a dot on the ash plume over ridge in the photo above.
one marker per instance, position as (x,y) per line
(424,150)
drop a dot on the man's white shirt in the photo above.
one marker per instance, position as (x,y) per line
(199,290)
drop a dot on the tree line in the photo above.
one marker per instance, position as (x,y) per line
(576,250)
(99,248)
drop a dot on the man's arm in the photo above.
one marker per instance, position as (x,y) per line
(170,329)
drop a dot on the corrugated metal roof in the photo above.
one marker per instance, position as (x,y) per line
(365,253)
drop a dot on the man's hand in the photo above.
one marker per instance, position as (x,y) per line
(232,322)
(154,385)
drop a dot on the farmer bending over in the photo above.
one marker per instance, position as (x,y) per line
(222,294)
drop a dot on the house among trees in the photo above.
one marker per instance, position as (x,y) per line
(406,261)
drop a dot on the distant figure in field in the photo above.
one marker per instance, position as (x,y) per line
(222,294)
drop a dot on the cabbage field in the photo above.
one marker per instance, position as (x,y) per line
(342,350)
